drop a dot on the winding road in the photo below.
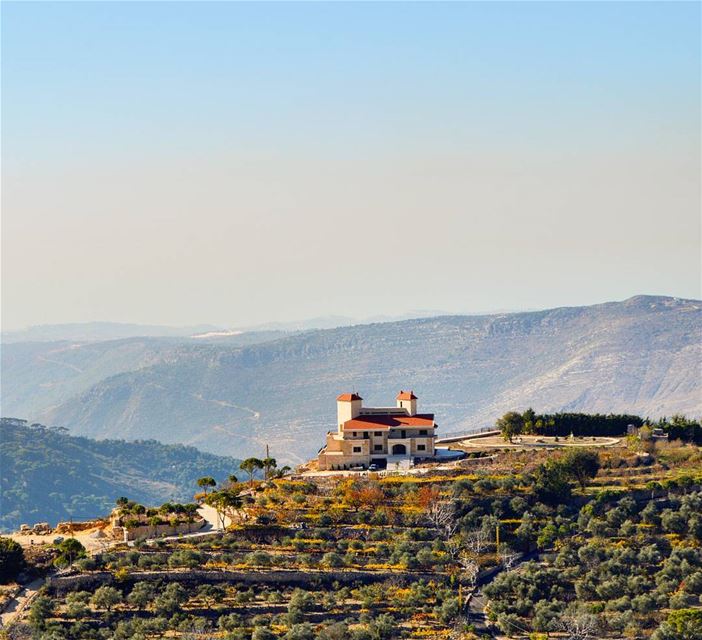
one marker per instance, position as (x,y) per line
(478,601)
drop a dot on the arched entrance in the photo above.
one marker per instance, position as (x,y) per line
(399,450)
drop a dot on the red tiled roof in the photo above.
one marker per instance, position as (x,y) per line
(348,397)
(406,395)
(387,421)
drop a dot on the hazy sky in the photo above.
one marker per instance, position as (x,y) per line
(240,163)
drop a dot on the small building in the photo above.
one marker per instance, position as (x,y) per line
(378,435)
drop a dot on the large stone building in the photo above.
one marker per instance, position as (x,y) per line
(378,435)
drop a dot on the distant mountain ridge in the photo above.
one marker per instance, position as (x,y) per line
(102,331)
(642,356)
(97,331)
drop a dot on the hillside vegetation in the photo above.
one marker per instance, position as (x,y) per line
(382,557)
(48,475)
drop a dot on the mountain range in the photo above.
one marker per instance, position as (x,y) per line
(236,394)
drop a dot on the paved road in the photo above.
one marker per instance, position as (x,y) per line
(476,607)
(476,614)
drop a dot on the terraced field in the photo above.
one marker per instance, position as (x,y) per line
(509,544)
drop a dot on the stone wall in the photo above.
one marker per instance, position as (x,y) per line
(68,527)
(156,531)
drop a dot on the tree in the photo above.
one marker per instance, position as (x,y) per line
(263,633)
(300,602)
(478,540)
(70,550)
(582,627)
(106,598)
(210,594)
(469,568)
(332,560)
(170,599)
(11,560)
(442,516)
(141,595)
(268,464)
(507,558)
(42,609)
(510,425)
(304,631)
(529,418)
(283,471)
(250,465)
(551,483)
(582,465)
(206,482)
(683,624)
(424,496)
(369,496)
(76,604)
(225,503)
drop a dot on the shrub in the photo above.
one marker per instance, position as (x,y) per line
(258,559)
(300,632)
(11,560)
(263,633)
(332,560)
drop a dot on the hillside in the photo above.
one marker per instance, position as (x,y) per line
(38,376)
(544,535)
(48,475)
(639,356)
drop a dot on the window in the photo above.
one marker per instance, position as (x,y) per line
(357,449)
(378,433)
(354,434)
(422,432)
(421,447)
(378,447)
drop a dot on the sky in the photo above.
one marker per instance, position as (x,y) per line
(242,163)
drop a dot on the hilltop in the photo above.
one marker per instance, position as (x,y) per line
(48,475)
(638,356)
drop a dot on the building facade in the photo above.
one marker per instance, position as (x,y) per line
(377,435)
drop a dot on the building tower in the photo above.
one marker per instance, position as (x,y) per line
(407,400)
(348,407)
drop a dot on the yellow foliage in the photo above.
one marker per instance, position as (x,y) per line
(430,633)
(121,574)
